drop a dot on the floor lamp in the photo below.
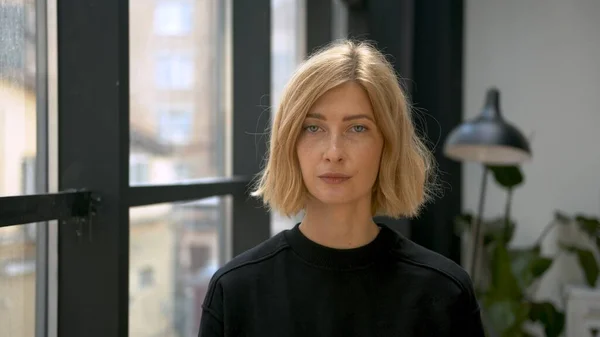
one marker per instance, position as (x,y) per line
(490,140)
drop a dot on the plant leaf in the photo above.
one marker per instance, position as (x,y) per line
(462,223)
(552,319)
(506,317)
(528,265)
(507,176)
(588,263)
(495,231)
(504,284)
(526,334)
(590,226)
(590,266)
(562,218)
(540,265)
(494,228)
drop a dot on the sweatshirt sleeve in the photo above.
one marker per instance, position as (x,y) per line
(467,320)
(210,325)
(211,322)
(473,326)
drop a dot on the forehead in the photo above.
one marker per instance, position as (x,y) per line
(346,99)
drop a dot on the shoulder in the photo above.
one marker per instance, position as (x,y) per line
(435,272)
(432,263)
(442,288)
(253,257)
(243,265)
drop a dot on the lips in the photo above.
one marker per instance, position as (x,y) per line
(334,178)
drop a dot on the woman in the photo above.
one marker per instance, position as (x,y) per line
(343,149)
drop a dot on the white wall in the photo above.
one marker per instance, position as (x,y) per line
(544,56)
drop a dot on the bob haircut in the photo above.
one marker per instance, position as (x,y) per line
(403,181)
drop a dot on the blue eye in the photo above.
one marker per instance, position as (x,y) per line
(311,128)
(359,128)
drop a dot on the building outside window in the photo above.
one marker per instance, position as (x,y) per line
(287,51)
(139,169)
(146,277)
(174,70)
(183,171)
(173,17)
(175,125)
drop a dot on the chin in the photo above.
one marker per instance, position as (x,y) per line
(336,197)
(334,200)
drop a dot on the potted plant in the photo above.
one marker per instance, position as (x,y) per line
(508,274)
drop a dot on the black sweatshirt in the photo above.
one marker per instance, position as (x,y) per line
(290,286)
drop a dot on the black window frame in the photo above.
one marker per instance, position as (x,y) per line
(95,198)
(98,271)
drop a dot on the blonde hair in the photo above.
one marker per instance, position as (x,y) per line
(406,166)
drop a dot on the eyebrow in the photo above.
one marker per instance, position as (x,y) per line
(317,115)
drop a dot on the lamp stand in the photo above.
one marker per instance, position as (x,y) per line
(476,236)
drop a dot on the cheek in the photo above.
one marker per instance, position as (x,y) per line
(371,164)
(304,154)
(369,149)
(369,156)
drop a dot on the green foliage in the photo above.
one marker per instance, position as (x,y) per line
(495,229)
(506,316)
(587,261)
(504,283)
(506,307)
(507,176)
(591,227)
(528,265)
(552,319)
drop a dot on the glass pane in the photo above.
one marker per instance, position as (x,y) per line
(18,156)
(287,42)
(177,107)
(174,251)
(17,97)
(17,281)
(287,51)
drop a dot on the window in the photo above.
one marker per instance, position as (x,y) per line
(176,251)
(283,63)
(174,70)
(89,133)
(20,281)
(18,267)
(287,51)
(183,171)
(12,28)
(178,98)
(139,170)
(179,110)
(175,125)
(173,17)
(146,277)
(28,175)
(17,281)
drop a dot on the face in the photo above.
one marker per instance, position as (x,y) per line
(339,147)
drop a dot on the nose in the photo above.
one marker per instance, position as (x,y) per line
(334,152)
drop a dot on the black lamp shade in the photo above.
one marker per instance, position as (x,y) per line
(488,138)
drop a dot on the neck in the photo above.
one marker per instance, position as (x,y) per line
(340,226)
